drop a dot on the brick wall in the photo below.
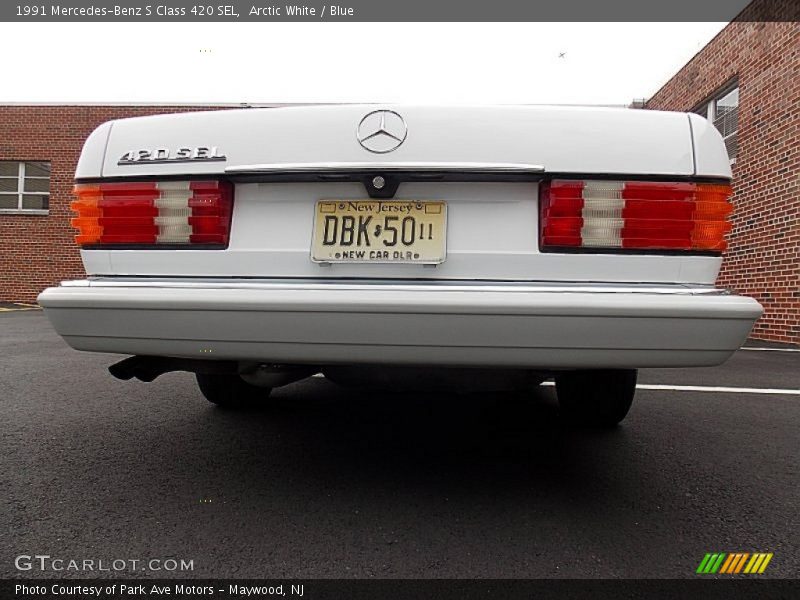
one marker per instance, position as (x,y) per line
(763,259)
(37,251)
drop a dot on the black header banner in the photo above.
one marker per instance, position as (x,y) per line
(32,11)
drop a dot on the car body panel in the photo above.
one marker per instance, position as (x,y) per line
(710,156)
(492,234)
(560,139)
(497,300)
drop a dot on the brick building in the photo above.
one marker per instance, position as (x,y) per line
(38,143)
(747,81)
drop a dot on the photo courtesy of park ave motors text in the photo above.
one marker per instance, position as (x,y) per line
(290,304)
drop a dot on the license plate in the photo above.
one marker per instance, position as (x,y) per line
(379,231)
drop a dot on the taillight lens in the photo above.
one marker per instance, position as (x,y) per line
(153,213)
(634,214)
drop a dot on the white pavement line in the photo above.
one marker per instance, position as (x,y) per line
(708,388)
(727,390)
(772,349)
(19,308)
(694,388)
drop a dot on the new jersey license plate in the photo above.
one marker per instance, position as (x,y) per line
(379,231)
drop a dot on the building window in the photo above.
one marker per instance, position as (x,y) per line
(723,111)
(24,187)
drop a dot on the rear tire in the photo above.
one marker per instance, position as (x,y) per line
(597,398)
(231,391)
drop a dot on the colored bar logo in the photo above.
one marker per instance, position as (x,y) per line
(734,563)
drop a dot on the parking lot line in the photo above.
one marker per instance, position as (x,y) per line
(695,388)
(17,306)
(727,390)
(709,388)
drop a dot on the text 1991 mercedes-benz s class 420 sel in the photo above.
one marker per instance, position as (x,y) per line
(495,246)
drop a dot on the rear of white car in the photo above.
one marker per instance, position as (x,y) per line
(258,246)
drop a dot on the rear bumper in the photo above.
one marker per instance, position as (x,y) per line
(383,322)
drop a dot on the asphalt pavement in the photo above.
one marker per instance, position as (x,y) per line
(324,482)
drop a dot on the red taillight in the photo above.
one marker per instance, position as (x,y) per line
(634,214)
(153,213)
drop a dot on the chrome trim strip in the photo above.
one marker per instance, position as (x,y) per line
(169,161)
(395,285)
(339,167)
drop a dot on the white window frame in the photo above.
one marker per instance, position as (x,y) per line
(21,191)
(709,107)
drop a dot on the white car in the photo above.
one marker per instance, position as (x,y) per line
(409,244)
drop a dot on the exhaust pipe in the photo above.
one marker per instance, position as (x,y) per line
(272,376)
(148,368)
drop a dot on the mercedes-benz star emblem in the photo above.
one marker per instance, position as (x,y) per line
(381,131)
